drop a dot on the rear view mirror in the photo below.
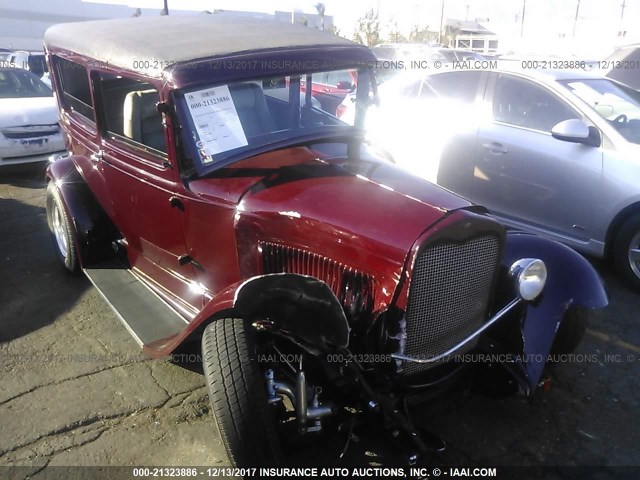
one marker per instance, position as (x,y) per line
(605,111)
(576,131)
(346,86)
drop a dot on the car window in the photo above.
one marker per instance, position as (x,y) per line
(128,112)
(616,103)
(461,86)
(76,91)
(334,78)
(16,83)
(522,103)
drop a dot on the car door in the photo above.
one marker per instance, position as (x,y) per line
(450,126)
(137,170)
(525,175)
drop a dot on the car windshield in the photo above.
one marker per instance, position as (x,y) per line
(613,102)
(222,123)
(17,83)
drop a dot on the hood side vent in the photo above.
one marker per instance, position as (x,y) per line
(354,289)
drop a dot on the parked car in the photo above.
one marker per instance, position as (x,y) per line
(32,61)
(419,51)
(29,129)
(326,286)
(623,65)
(551,152)
(330,88)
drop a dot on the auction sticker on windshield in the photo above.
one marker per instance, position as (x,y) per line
(216,119)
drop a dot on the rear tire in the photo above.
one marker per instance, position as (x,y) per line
(62,230)
(626,251)
(238,394)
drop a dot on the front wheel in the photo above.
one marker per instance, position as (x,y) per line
(626,251)
(238,394)
(571,330)
(61,229)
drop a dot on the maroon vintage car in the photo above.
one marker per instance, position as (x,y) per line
(208,199)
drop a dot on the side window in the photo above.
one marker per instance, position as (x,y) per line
(334,78)
(461,86)
(128,112)
(524,104)
(76,92)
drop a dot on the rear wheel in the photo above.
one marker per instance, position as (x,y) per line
(626,250)
(61,229)
(238,394)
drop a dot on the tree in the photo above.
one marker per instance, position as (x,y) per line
(422,35)
(368,29)
(336,31)
(394,33)
(320,8)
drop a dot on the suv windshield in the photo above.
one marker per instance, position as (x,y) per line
(224,122)
(613,102)
(17,83)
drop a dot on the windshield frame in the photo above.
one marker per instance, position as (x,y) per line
(193,165)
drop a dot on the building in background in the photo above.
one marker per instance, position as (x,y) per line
(472,36)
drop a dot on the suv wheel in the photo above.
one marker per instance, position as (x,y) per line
(238,394)
(626,251)
(61,230)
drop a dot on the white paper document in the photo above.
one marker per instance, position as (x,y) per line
(216,119)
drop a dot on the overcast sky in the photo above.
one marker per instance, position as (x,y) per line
(545,20)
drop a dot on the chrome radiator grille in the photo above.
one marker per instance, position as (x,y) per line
(448,296)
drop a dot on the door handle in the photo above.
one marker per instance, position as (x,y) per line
(175,202)
(96,157)
(495,148)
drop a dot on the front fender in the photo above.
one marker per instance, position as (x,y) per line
(302,306)
(571,281)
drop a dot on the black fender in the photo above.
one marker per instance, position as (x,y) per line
(299,305)
(93,229)
(571,280)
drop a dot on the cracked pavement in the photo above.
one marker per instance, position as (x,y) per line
(76,389)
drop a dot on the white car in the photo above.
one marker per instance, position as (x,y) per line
(29,128)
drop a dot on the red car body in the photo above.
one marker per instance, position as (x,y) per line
(316,233)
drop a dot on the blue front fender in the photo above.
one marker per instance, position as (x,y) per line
(571,281)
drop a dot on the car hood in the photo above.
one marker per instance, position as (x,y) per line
(16,112)
(364,214)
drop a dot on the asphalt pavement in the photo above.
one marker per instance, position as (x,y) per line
(76,389)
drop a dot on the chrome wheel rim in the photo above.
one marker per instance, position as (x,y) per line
(59,232)
(634,254)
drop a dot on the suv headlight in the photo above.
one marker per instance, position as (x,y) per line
(530,275)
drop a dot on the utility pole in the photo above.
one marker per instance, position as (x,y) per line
(165,10)
(441,20)
(575,20)
(624,4)
(524,7)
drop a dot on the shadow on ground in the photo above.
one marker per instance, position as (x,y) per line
(34,289)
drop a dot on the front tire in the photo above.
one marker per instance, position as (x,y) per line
(61,229)
(238,394)
(626,251)
(571,331)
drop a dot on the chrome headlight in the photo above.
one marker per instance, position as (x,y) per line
(530,275)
